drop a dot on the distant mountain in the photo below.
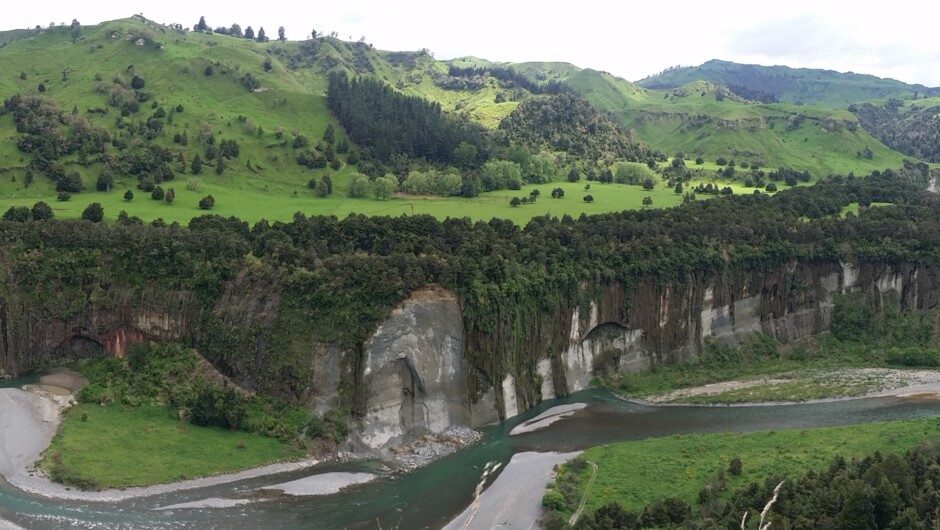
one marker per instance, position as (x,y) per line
(800,86)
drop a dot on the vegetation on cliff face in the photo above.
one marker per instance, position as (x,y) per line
(860,338)
(264,298)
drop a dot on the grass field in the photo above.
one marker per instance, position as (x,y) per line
(637,474)
(279,202)
(117,447)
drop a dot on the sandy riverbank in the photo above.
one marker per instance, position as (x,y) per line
(547,418)
(844,383)
(514,500)
(29,419)
(7,525)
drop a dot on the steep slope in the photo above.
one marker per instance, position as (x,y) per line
(912,126)
(801,86)
(703,118)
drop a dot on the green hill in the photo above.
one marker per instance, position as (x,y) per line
(707,119)
(799,86)
(129,104)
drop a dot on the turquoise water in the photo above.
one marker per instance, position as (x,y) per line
(31,379)
(431,496)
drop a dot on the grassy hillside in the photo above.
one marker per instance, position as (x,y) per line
(707,119)
(802,86)
(264,95)
(173,65)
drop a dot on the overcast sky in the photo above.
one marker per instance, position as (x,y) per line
(629,40)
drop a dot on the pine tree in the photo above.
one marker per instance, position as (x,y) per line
(196,165)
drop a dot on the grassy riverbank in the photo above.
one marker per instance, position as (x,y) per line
(114,447)
(758,370)
(641,474)
(164,414)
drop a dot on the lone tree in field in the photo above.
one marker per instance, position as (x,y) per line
(169,196)
(201,25)
(280,34)
(588,198)
(647,201)
(196,165)
(94,213)
(325,187)
(42,211)
(206,203)
(128,195)
(76,30)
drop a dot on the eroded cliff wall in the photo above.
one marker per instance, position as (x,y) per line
(415,377)
(631,328)
(431,364)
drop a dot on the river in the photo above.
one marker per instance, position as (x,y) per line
(431,496)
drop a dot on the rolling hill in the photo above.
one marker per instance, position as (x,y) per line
(163,96)
(798,86)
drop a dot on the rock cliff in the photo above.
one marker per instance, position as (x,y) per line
(414,370)
(430,366)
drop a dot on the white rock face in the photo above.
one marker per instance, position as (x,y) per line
(849,277)
(545,372)
(609,343)
(414,369)
(511,403)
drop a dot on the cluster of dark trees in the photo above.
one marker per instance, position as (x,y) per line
(235,30)
(48,134)
(402,134)
(391,124)
(473,78)
(566,122)
(752,93)
(913,130)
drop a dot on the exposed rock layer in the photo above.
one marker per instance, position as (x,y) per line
(426,368)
